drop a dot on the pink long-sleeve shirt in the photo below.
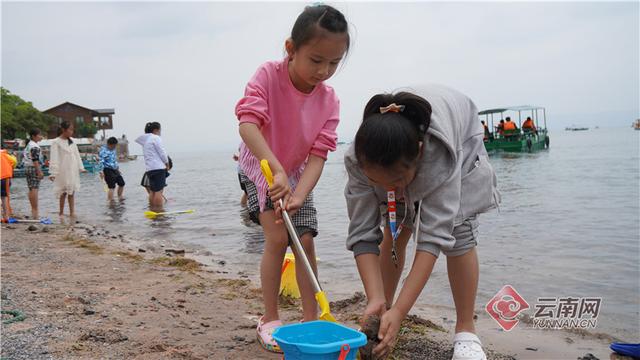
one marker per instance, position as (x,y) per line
(294,124)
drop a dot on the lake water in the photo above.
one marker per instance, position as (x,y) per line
(568,224)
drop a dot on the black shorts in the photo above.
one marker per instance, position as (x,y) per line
(113,177)
(155,180)
(305,220)
(4,185)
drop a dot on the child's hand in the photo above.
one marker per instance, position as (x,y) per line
(374,307)
(101,175)
(52,178)
(39,174)
(293,204)
(278,209)
(389,327)
(280,187)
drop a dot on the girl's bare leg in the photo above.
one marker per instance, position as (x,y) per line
(62,199)
(463,274)
(275,246)
(72,206)
(33,199)
(309,304)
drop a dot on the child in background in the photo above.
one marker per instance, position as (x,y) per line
(156,162)
(243,198)
(32,161)
(7,164)
(288,116)
(65,167)
(110,171)
(424,161)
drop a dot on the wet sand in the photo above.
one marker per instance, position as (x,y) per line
(87,293)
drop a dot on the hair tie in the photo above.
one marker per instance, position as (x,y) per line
(392,108)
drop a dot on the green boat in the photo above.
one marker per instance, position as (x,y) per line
(518,140)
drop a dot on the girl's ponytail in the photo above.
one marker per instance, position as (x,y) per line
(151,126)
(392,128)
(417,110)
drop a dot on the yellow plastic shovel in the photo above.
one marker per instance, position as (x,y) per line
(321,298)
(104,186)
(153,214)
(288,283)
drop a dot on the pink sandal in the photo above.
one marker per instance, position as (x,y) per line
(265,337)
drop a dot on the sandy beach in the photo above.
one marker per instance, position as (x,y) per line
(88,293)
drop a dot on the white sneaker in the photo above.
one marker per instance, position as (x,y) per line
(467,346)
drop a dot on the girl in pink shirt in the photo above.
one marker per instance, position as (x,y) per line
(288,116)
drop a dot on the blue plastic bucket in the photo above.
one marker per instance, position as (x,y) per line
(318,340)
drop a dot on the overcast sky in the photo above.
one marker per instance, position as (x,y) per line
(186,64)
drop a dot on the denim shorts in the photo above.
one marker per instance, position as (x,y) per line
(5,184)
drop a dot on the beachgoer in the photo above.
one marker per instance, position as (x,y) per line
(423,160)
(65,167)
(157,164)
(243,198)
(7,164)
(288,116)
(33,161)
(110,170)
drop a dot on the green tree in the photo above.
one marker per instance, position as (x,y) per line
(19,116)
(86,130)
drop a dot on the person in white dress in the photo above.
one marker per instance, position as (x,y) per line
(65,167)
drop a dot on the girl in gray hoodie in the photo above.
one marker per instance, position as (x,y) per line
(418,166)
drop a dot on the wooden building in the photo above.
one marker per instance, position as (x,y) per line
(78,115)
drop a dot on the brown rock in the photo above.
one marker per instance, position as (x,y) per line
(370,328)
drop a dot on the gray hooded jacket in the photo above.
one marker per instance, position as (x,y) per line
(454,179)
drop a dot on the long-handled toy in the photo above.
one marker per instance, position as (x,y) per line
(45,221)
(321,298)
(153,214)
(104,185)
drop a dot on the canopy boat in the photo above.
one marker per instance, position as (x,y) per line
(518,139)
